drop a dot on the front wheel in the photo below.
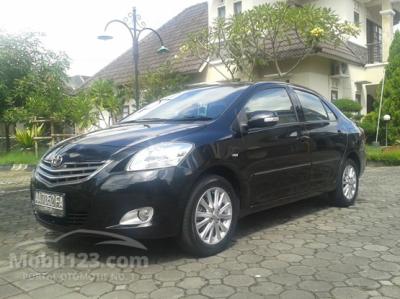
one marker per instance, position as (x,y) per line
(210,217)
(346,186)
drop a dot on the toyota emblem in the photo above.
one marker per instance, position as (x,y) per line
(56,161)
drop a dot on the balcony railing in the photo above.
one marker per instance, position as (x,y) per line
(374,52)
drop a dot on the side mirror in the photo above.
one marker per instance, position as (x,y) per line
(262,119)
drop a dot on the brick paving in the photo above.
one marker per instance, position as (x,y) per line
(303,250)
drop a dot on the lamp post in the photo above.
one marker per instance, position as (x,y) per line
(135,31)
(386,119)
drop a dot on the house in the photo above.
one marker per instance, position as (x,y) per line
(353,70)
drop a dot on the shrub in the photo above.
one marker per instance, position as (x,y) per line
(369,122)
(26,137)
(348,107)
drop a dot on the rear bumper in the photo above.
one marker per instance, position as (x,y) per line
(100,203)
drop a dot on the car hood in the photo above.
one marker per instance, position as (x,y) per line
(100,145)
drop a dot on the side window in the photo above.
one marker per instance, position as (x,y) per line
(312,106)
(274,100)
(331,115)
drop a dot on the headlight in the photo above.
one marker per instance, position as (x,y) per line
(161,155)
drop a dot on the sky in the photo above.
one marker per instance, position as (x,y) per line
(72,26)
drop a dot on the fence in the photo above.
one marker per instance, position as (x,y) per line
(53,138)
(50,140)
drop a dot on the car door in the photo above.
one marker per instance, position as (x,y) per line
(275,159)
(327,142)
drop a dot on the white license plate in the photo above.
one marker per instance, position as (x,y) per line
(50,203)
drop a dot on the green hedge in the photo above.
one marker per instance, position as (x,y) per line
(387,157)
(346,105)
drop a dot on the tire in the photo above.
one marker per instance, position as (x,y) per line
(346,190)
(196,240)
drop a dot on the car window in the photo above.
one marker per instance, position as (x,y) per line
(275,100)
(331,115)
(312,106)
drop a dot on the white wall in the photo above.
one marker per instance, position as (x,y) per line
(313,73)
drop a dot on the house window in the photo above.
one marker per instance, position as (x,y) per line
(221,12)
(334,95)
(237,7)
(125,111)
(374,42)
(357,19)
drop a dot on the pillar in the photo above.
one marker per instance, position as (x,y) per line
(387,14)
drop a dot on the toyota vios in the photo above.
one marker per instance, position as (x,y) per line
(189,165)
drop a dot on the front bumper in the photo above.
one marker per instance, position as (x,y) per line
(100,202)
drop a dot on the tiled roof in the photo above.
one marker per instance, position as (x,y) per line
(174,33)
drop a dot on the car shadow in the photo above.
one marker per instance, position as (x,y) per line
(267,219)
(166,250)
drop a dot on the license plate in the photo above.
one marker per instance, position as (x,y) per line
(50,203)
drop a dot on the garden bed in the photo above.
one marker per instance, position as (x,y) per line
(389,156)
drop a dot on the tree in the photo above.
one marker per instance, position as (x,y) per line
(79,110)
(45,88)
(31,79)
(264,35)
(162,82)
(106,97)
(391,91)
(158,83)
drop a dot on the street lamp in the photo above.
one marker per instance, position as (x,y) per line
(386,119)
(135,32)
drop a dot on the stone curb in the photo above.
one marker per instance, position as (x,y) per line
(15,167)
(379,164)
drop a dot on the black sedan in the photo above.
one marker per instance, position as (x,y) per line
(189,165)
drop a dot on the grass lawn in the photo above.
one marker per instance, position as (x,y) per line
(387,156)
(19,157)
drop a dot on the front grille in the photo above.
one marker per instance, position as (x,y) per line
(68,173)
(76,218)
(72,219)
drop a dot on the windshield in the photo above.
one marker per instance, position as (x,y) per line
(205,103)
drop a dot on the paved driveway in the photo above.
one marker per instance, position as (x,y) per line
(304,250)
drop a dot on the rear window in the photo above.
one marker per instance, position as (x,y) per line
(331,114)
(313,108)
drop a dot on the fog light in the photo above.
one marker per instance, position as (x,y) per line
(145,214)
(138,216)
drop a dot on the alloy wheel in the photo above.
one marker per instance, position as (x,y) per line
(349,182)
(213,215)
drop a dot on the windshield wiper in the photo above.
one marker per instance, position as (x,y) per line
(194,118)
(139,120)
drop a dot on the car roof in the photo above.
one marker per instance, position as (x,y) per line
(247,83)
